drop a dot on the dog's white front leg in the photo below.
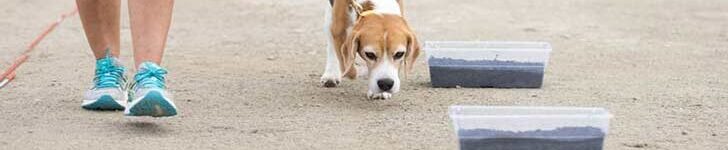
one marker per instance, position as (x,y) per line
(332,74)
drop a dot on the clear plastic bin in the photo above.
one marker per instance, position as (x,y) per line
(530,128)
(487,64)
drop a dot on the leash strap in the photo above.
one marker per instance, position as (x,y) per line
(9,73)
(356,6)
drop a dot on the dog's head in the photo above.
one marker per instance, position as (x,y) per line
(386,43)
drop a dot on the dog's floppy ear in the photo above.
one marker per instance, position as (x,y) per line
(413,51)
(347,55)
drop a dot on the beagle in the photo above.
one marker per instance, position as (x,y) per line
(369,39)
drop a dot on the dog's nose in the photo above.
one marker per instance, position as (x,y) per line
(385,84)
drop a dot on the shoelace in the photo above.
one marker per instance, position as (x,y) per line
(108,74)
(151,76)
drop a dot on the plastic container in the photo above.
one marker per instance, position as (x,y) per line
(530,128)
(487,64)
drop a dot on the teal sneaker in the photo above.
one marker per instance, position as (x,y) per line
(148,96)
(109,89)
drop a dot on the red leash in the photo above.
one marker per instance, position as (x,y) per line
(9,73)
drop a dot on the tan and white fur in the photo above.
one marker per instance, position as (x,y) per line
(372,46)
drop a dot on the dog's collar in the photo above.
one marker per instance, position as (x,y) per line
(359,9)
(367,13)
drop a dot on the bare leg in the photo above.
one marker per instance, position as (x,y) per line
(150,20)
(100,20)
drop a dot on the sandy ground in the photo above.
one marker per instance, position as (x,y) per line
(245,76)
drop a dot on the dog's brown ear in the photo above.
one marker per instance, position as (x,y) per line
(347,55)
(413,51)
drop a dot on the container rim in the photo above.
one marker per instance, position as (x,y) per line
(489,45)
(488,66)
(597,112)
(534,116)
(489,49)
(490,42)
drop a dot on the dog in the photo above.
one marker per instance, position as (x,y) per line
(369,39)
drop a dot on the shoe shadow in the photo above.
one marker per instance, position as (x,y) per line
(145,128)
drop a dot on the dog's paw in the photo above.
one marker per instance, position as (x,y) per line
(328,80)
(379,96)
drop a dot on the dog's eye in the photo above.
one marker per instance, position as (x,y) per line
(398,55)
(370,55)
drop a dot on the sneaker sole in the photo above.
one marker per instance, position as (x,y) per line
(105,102)
(153,104)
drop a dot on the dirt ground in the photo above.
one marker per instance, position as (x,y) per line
(245,75)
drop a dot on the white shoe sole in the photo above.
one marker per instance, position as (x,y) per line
(154,104)
(106,102)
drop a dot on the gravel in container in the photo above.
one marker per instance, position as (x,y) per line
(565,138)
(487,64)
(448,72)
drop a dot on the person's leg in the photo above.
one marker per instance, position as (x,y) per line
(100,19)
(150,20)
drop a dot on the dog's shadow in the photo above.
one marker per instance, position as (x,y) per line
(351,95)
